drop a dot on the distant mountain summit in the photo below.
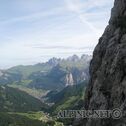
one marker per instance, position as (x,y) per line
(54,61)
(86,57)
(73,58)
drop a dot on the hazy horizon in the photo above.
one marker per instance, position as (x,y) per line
(34,31)
(44,61)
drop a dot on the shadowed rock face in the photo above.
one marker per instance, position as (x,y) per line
(107,87)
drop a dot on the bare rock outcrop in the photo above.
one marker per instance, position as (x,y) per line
(69,79)
(107,86)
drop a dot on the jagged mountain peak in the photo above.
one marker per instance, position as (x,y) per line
(54,61)
(73,58)
(85,57)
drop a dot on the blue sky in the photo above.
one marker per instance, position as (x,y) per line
(33,31)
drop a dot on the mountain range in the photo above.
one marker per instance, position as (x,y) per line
(54,74)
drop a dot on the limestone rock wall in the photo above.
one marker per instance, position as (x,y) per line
(107,86)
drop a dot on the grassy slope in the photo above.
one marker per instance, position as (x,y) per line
(69,98)
(12,99)
(37,93)
(26,119)
(27,70)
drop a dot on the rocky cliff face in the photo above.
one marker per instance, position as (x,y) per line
(74,76)
(107,87)
(69,79)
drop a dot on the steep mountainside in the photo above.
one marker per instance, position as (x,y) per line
(70,97)
(14,100)
(107,87)
(8,77)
